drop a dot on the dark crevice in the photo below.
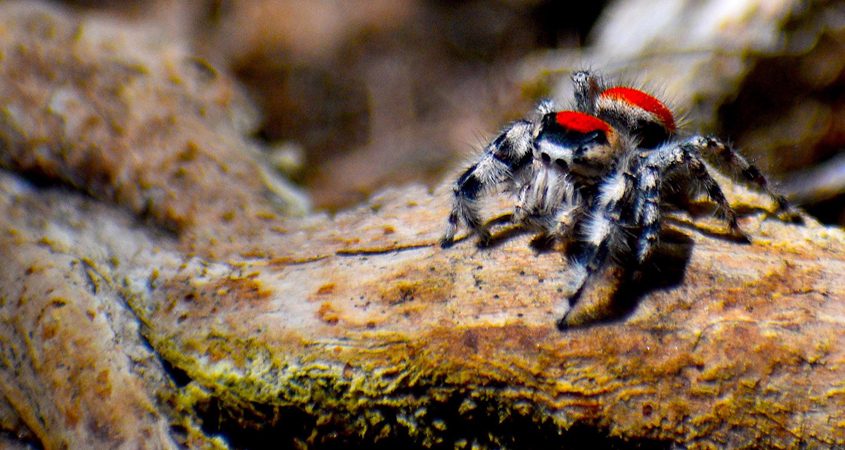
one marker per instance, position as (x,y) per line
(42,180)
(829,211)
(24,439)
(180,377)
(443,424)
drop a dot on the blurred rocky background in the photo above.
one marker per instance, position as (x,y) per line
(357,95)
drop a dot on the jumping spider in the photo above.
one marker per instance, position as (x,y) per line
(596,176)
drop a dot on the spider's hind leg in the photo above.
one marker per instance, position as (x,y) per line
(740,169)
(658,166)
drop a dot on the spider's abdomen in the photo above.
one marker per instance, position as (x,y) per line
(647,118)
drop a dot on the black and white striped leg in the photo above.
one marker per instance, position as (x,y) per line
(598,271)
(738,167)
(465,207)
(549,202)
(605,233)
(502,165)
(655,168)
(647,209)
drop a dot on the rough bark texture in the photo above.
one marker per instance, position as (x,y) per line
(155,293)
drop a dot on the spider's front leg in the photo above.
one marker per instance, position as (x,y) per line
(548,202)
(739,168)
(503,163)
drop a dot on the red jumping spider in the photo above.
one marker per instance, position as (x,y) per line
(594,175)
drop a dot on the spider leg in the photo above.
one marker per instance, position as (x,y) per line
(605,230)
(503,162)
(598,272)
(657,165)
(548,202)
(738,167)
(587,86)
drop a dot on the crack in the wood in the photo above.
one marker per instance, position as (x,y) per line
(289,261)
(381,250)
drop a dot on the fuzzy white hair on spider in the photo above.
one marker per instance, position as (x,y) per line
(592,178)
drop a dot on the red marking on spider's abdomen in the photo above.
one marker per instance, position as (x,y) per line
(580,122)
(644,101)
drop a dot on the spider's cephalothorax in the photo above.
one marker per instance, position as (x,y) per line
(595,176)
(577,143)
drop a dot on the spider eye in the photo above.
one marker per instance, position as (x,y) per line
(545,157)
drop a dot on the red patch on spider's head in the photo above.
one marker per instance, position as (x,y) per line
(643,101)
(580,122)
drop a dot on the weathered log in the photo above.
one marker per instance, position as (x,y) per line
(142,310)
(359,328)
